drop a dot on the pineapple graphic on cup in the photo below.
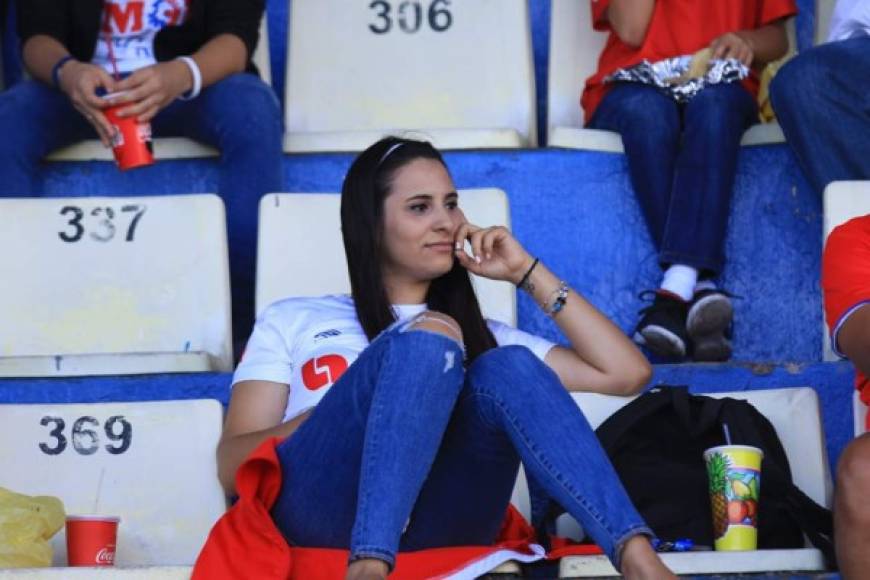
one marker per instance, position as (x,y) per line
(734,475)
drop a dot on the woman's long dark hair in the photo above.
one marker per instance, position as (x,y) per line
(362,222)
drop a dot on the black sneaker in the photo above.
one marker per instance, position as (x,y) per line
(708,324)
(662,329)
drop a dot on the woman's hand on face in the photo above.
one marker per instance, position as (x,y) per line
(496,254)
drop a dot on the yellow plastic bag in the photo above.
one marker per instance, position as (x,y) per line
(26,525)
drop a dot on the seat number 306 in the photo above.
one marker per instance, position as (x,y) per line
(410,15)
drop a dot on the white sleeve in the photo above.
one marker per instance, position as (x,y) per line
(506,335)
(267,355)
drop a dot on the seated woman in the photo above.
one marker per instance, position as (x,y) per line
(406,414)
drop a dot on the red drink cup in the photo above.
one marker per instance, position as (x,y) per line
(90,540)
(132,141)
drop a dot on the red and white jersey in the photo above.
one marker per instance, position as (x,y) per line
(308,343)
(130,26)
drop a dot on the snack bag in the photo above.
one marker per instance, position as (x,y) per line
(26,525)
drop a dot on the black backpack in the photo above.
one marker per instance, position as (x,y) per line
(656,444)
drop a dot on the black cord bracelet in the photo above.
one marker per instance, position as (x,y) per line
(528,273)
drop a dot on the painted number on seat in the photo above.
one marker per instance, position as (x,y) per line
(409,14)
(85,435)
(99,222)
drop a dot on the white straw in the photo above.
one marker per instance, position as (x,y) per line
(727,433)
(99,490)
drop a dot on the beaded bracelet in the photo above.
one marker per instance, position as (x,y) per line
(561,294)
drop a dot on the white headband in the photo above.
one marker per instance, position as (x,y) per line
(390,151)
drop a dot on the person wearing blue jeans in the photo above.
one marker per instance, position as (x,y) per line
(682,159)
(404,413)
(183,66)
(822,104)
(477,425)
(675,79)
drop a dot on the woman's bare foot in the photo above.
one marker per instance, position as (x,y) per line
(367,569)
(640,561)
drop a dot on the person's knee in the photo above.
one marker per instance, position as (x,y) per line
(650,115)
(504,363)
(438,323)
(249,108)
(18,117)
(801,80)
(717,110)
(853,480)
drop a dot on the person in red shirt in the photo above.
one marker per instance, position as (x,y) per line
(846,289)
(681,133)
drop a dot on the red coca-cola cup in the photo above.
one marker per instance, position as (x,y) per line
(131,143)
(90,540)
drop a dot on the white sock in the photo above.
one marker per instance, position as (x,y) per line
(680,280)
(704,285)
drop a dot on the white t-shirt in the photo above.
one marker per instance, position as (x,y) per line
(851,18)
(308,343)
(132,26)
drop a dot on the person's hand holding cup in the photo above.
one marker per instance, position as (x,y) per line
(131,141)
(82,82)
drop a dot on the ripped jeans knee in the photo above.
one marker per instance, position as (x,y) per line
(435,323)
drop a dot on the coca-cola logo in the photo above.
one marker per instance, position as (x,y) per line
(106,556)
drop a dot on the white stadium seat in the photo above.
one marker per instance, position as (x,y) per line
(168,147)
(823,13)
(459,72)
(795,414)
(129,285)
(574,50)
(312,223)
(153,464)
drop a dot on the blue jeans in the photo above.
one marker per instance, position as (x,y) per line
(822,101)
(682,161)
(239,115)
(408,451)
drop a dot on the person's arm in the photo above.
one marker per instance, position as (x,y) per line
(79,80)
(853,339)
(630,19)
(753,47)
(152,88)
(255,413)
(601,358)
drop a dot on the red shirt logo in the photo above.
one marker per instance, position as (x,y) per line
(323,371)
